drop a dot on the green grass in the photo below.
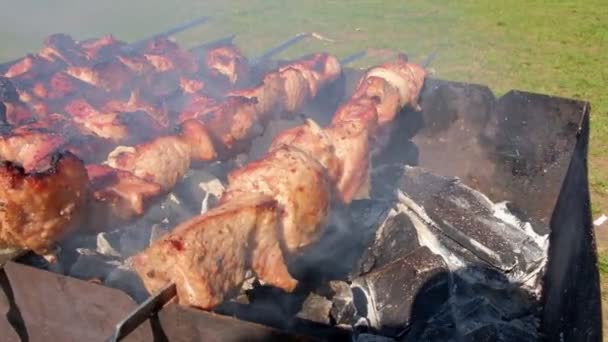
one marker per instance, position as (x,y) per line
(554,47)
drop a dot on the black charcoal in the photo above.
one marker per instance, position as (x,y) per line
(405,290)
(471,220)
(395,238)
(343,309)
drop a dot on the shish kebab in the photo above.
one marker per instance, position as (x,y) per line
(67,191)
(103,127)
(278,205)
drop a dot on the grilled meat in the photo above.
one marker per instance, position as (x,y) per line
(297,182)
(102,47)
(102,124)
(297,173)
(39,208)
(118,195)
(61,47)
(228,63)
(164,160)
(208,257)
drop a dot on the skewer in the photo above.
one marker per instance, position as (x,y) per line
(142,312)
(279,48)
(429,59)
(355,56)
(212,44)
(167,33)
(134,46)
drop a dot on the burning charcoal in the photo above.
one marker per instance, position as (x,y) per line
(403,291)
(92,265)
(472,220)
(343,309)
(395,238)
(107,244)
(315,308)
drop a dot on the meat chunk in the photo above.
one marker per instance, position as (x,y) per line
(351,131)
(61,47)
(117,195)
(269,95)
(39,208)
(313,140)
(229,63)
(296,89)
(407,78)
(197,106)
(101,47)
(297,182)
(234,122)
(164,160)
(103,124)
(29,148)
(207,257)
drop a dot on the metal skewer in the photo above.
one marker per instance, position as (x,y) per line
(168,33)
(355,56)
(212,44)
(144,311)
(279,48)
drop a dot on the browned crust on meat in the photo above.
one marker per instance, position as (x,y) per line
(39,208)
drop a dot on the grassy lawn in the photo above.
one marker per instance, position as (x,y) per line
(553,47)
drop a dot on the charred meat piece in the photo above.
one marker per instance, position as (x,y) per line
(39,208)
(207,257)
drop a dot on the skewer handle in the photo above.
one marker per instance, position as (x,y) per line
(144,311)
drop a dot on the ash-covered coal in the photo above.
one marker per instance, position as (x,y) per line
(473,270)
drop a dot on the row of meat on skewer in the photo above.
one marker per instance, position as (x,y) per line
(118,185)
(272,208)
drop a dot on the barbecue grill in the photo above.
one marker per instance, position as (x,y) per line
(463,163)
